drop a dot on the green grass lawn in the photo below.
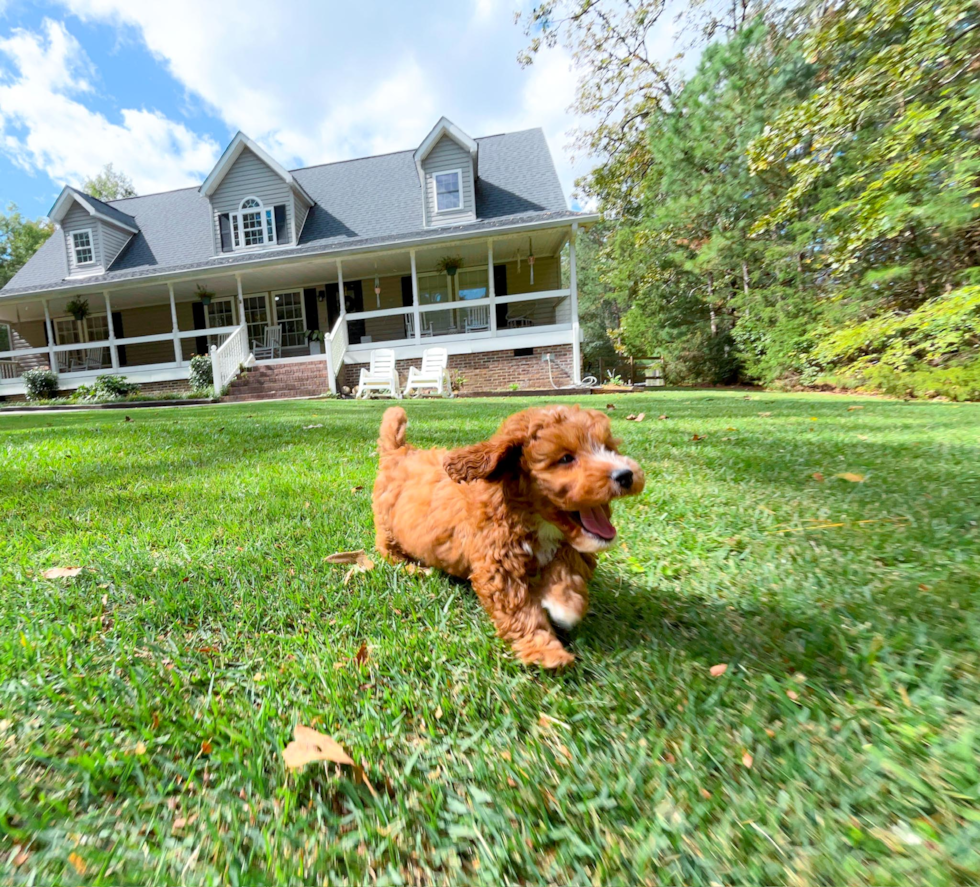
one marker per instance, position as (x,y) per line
(145,704)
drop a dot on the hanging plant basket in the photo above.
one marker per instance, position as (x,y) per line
(78,308)
(449,265)
(205,295)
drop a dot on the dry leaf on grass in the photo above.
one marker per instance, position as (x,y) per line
(747,760)
(718,670)
(356,489)
(206,747)
(705,794)
(610,406)
(849,409)
(698,437)
(20,855)
(792,694)
(77,863)
(361,656)
(348,557)
(61,572)
(817,476)
(309,746)
(638,417)
(664,416)
(852,477)
(863,437)
(412,569)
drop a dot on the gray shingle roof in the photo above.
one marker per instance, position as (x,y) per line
(106,209)
(359,203)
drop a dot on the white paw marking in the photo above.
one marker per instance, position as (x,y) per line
(560,614)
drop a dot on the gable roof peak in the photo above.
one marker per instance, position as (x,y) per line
(445,127)
(235,147)
(93,206)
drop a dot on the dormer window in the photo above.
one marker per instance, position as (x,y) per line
(449,194)
(253,225)
(82,244)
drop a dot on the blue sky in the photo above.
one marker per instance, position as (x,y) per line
(159,88)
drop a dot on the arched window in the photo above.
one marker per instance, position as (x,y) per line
(253,225)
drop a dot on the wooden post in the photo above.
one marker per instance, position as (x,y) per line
(113,351)
(573,287)
(415,297)
(178,351)
(491,290)
(52,360)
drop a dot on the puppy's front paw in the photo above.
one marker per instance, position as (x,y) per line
(543,649)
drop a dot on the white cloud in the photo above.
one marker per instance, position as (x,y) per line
(44,123)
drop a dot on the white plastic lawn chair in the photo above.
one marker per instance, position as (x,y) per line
(92,360)
(477,319)
(271,346)
(434,374)
(380,376)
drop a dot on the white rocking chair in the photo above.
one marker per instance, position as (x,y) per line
(477,319)
(271,346)
(409,326)
(381,375)
(92,360)
(434,374)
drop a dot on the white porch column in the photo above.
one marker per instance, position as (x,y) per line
(491,291)
(416,314)
(52,360)
(178,352)
(573,286)
(113,351)
(241,299)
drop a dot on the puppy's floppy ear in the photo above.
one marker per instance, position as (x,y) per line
(480,461)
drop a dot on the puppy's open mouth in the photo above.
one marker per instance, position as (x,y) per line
(595,521)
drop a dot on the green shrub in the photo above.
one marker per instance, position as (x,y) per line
(107,388)
(41,384)
(202,376)
(955,381)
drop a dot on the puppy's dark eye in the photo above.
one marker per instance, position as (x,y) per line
(567,459)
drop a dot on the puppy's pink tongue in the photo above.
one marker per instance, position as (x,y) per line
(596,521)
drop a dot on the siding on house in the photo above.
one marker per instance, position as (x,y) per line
(113,241)
(302,210)
(78,219)
(448,155)
(249,177)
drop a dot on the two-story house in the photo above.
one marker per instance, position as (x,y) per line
(466,243)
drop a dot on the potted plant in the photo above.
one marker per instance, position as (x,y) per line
(314,337)
(78,308)
(204,294)
(449,265)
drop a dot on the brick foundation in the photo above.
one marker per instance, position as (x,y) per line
(491,370)
(177,386)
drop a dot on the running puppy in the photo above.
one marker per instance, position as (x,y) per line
(521,515)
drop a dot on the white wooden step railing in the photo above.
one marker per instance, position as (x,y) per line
(336,348)
(228,358)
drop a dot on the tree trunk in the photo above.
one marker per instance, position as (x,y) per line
(711,303)
(745,277)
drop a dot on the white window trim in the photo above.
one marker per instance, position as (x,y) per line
(91,247)
(435,194)
(237,229)
(302,307)
(207,314)
(81,326)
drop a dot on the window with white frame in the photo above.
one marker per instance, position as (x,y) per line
(256,317)
(290,315)
(253,225)
(66,331)
(219,313)
(448,188)
(81,242)
(472,283)
(6,339)
(96,328)
(434,288)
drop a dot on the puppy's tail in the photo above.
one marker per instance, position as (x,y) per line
(392,436)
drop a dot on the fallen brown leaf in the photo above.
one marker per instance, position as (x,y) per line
(610,406)
(184,821)
(747,760)
(20,855)
(348,557)
(356,489)
(361,656)
(765,414)
(77,863)
(665,416)
(705,794)
(852,477)
(817,476)
(863,437)
(792,694)
(61,572)
(309,746)
(640,417)
(412,569)
(770,733)
(698,437)
(849,409)
(631,417)
(140,748)
(511,782)
(718,670)
(206,747)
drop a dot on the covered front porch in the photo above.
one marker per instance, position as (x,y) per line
(513,291)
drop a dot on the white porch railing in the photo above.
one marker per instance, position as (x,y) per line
(9,369)
(336,348)
(228,358)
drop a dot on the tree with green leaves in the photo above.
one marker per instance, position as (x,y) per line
(20,238)
(109,184)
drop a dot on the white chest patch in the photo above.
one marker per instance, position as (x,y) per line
(549,539)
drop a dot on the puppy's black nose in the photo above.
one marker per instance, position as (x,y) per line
(624,477)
